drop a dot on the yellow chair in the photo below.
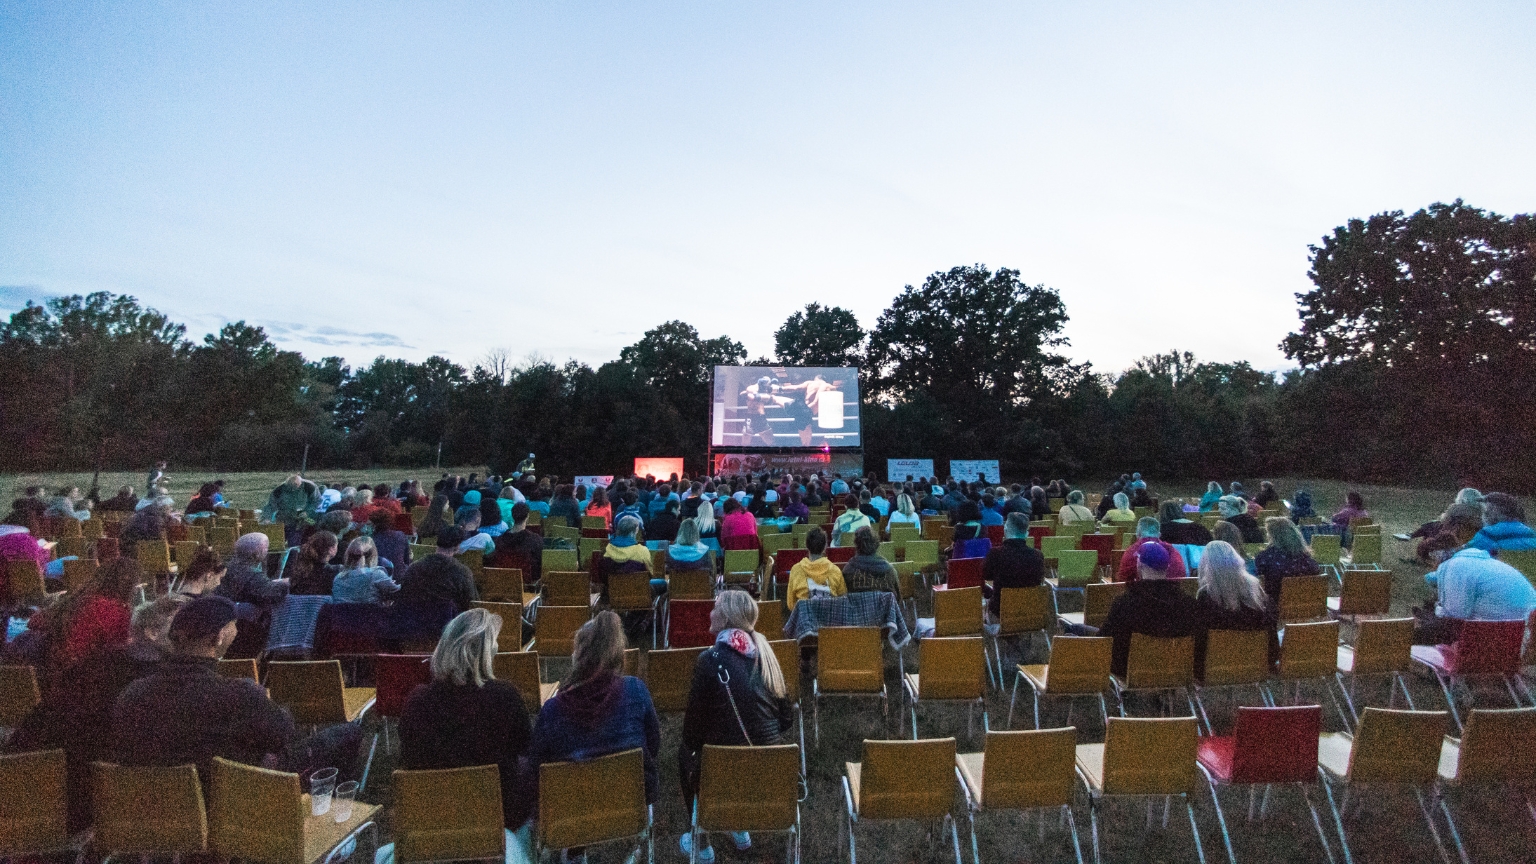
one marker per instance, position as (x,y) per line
(521,669)
(1389,748)
(566,588)
(741,565)
(222,539)
(19,694)
(560,561)
(148,811)
(923,553)
(669,677)
(510,637)
(474,559)
(244,667)
(452,814)
(420,551)
(1308,652)
(770,619)
(1382,646)
(1523,560)
(1327,550)
(1052,546)
(34,805)
(594,522)
(259,815)
(27,586)
(314,692)
(749,789)
(586,546)
(908,580)
(959,612)
(691,585)
(905,533)
(155,557)
(631,592)
(1079,666)
(1021,771)
(1097,598)
(1303,598)
(950,669)
(597,801)
(504,585)
(848,663)
(92,529)
(561,532)
(1141,757)
(77,572)
(887,551)
(554,631)
(1493,752)
(1158,665)
(1020,613)
(1233,658)
(1362,592)
(787,652)
(185,551)
(277,538)
(70,546)
(773,544)
(901,780)
(1365,550)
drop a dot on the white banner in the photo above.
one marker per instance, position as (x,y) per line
(896,470)
(593,480)
(972,469)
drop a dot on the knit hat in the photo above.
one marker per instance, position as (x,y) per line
(472,497)
(1153,557)
(202,618)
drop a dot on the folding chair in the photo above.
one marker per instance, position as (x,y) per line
(510,636)
(450,814)
(1303,598)
(1483,650)
(597,801)
(1097,598)
(34,806)
(1079,666)
(1142,757)
(902,780)
(963,572)
(749,789)
(1309,652)
(566,588)
(787,652)
(1233,658)
(259,815)
(521,670)
(1157,665)
(848,663)
(1362,592)
(395,676)
(669,677)
(1493,752)
(148,811)
(631,592)
(1382,647)
(554,631)
(1021,771)
(955,672)
(1020,613)
(1389,748)
(1267,746)
(688,624)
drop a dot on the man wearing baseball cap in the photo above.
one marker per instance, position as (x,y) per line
(1151,605)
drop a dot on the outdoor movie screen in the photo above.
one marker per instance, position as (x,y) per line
(785,406)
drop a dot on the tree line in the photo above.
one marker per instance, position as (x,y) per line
(1415,352)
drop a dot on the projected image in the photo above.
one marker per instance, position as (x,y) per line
(785,406)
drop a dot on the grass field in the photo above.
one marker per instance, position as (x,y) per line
(1388,827)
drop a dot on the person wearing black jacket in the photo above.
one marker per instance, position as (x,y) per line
(519,547)
(867,571)
(1235,510)
(440,575)
(1012,563)
(663,525)
(1152,606)
(737,698)
(1179,531)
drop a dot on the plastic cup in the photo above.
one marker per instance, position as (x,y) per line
(341,800)
(322,784)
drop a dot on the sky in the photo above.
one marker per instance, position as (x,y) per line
(553,179)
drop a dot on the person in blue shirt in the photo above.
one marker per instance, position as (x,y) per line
(1471,585)
(1503,525)
(989,512)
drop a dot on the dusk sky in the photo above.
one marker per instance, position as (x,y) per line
(556,178)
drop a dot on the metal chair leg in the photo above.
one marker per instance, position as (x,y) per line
(1014,698)
(1194,830)
(1338,821)
(1077,846)
(1221,817)
(1450,823)
(1429,821)
(1317,822)
(1093,820)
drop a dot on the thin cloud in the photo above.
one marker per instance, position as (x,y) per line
(334,336)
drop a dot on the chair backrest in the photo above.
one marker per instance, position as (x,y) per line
(256,814)
(1053,545)
(586,547)
(1149,755)
(1365,549)
(907,779)
(1276,745)
(582,803)
(243,667)
(1076,567)
(1158,662)
(1100,543)
(688,623)
(629,592)
(19,694)
(691,585)
(594,522)
(952,668)
(396,675)
(222,538)
(148,810)
(1363,592)
(786,560)
(669,675)
(964,572)
(905,533)
(554,631)
(741,560)
(422,550)
(770,618)
(1023,610)
(26,578)
(1496,747)
(91,528)
(921,552)
(33,807)
(312,690)
(1236,657)
(560,561)
(1303,598)
(957,612)
(154,556)
(1079,664)
(560,530)
(1032,768)
(566,588)
(1326,549)
(451,814)
(1396,746)
(787,652)
(1384,645)
(1098,596)
(848,660)
(749,788)
(521,670)
(77,572)
(887,551)
(1309,650)
(501,584)
(906,579)
(1488,648)
(510,637)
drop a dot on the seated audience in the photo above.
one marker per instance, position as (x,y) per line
(1212,494)
(1149,531)
(438,517)
(440,576)
(1230,534)
(203,575)
(490,520)
(245,580)
(91,618)
(363,580)
(866,570)
(1180,531)
(1235,510)
(1122,511)
(392,545)
(1301,508)
(1286,555)
(850,520)
(1230,599)
(1472,586)
(904,516)
(968,521)
(1012,563)
(474,538)
(1354,508)
(625,553)
(1503,525)
(1073,510)
(310,571)
(203,503)
(1267,495)
(123,502)
(688,552)
(738,530)
(1151,605)
(664,524)
(600,507)
(563,506)
(519,547)
(814,575)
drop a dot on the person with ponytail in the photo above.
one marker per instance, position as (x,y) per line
(738,698)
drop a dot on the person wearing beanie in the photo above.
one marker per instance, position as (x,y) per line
(1152,605)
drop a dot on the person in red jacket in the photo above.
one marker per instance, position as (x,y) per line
(1148,530)
(94,617)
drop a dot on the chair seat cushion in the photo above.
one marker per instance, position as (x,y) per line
(1216,754)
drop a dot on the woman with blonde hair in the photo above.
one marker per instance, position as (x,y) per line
(465,717)
(1286,555)
(905,514)
(363,580)
(738,698)
(1229,599)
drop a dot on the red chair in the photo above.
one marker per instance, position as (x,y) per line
(1482,650)
(963,572)
(1104,544)
(784,561)
(395,676)
(1042,531)
(995,534)
(840,554)
(106,548)
(402,523)
(688,624)
(1268,745)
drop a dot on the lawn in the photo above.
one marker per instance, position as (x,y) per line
(1388,827)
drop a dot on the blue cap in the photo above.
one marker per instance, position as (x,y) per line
(1153,557)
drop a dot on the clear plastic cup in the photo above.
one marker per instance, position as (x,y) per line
(341,800)
(322,784)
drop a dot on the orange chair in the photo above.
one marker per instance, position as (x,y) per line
(1097,598)
(753,789)
(596,801)
(1309,652)
(960,612)
(1303,598)
(1233,658)
(1141,757)
(1494,751)
(1361,593)
(848,663)
(1389,748)
(1021,612)
(1079,666)
(1021,771)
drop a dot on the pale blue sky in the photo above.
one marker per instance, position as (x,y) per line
(423,178)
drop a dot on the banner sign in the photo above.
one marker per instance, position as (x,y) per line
(659,467)
(592,481)
(972,469)
(897,470)
(798,464)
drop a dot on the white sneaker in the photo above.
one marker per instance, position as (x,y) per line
(706,854)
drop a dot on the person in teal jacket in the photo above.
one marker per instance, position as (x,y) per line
(1212,494)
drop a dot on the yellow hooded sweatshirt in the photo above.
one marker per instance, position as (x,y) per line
(821,571)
